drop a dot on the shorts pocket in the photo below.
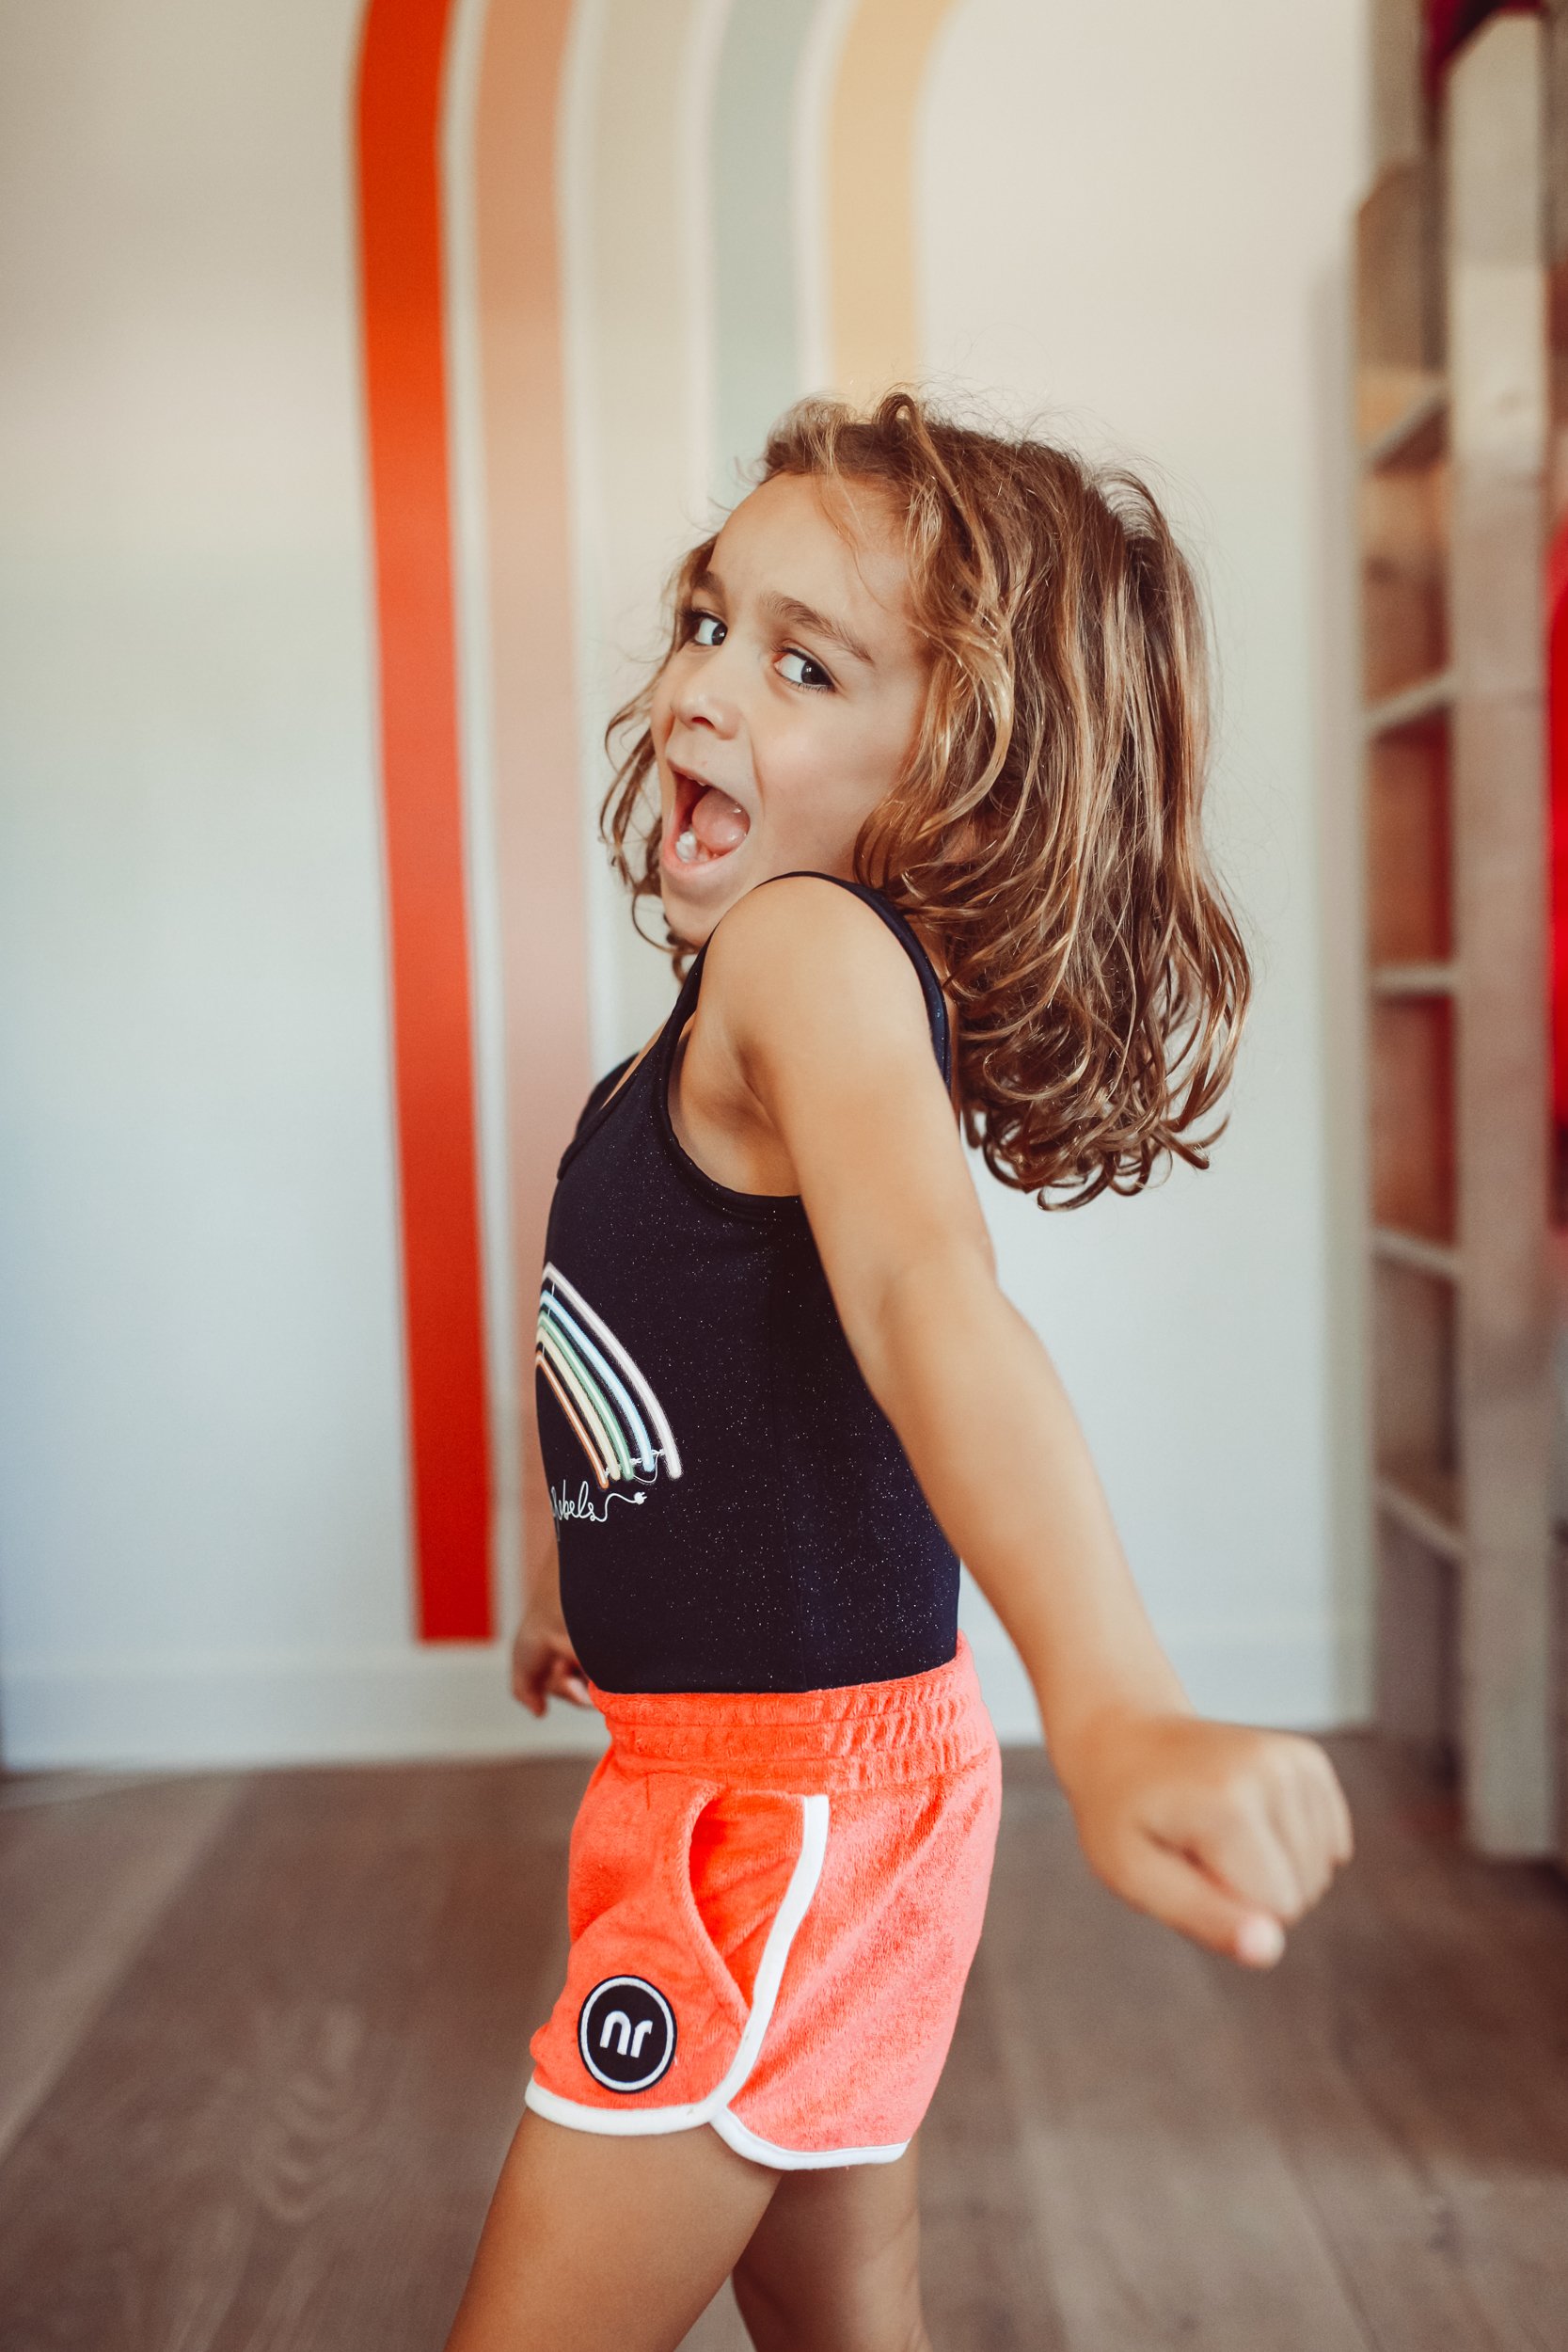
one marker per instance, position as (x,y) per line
(649,2013)
(742,1854)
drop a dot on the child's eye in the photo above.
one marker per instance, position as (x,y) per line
(704,628)
(813,674)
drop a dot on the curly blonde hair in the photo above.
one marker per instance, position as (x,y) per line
(1044,837)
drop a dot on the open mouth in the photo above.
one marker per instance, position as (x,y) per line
(705,825)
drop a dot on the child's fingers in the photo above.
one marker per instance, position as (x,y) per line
(542,1669)
(1304,1830)
(1293,1795)
(567,1682)
(1343,1840)
(1324,1801)
(1309,1811)
(530,1678)
(1320,1803)
(1237,1842)
(1173,1888)
(525,1688)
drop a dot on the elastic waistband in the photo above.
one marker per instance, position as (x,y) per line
(863,1734)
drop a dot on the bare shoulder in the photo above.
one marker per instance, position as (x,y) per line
(837,1095)
(800,958)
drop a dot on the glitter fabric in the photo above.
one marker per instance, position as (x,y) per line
(734,1510)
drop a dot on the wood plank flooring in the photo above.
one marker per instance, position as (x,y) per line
(262,2042)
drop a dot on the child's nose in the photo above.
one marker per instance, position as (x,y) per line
(706,698)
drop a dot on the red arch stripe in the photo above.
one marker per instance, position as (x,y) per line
(406,398)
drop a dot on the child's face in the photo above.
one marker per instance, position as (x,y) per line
(786,711)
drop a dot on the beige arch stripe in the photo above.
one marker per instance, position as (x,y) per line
(873,305)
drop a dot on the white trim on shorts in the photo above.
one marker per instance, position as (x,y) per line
(642,2122)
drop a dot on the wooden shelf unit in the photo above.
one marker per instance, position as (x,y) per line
(1425,1502)
(1428,697)
(1428,1257)
(1451,419)
(1415,979)
(1415,436)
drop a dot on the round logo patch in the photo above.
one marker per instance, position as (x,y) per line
(626,2033)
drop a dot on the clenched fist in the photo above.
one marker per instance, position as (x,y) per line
(1227,1833)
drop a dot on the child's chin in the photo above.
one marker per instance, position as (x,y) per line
(686,924)
(691,924)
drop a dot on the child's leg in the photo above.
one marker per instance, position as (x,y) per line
(834,2264)
(595,2243)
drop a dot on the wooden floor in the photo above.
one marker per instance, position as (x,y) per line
(262,2044)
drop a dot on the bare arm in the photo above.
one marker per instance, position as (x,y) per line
(1218,1828)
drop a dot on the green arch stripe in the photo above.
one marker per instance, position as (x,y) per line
(581,1428)
(590,1395)
(590,1427)
(561,1318)
(756,339)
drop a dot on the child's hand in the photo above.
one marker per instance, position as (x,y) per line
(544,1664)
(1223,1831)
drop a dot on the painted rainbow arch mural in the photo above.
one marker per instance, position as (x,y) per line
(602,243)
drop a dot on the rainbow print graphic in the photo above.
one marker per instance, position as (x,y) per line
(619,1422)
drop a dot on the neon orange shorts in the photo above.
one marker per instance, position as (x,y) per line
(774,1899)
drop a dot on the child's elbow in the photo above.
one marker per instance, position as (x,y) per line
(928,1293)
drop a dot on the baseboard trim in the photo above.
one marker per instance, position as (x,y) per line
(1294,1674)
(452,1699)
(449,1699)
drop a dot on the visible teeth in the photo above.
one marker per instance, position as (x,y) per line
(685,846)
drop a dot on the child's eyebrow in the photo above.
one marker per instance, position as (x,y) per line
(791,613)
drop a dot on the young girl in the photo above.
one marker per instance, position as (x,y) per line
(928,745)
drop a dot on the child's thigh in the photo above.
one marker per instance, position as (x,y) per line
(834,2262)
(599,2244)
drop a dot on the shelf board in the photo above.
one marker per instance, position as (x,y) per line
(1398,1247)
(1413,439)
(1426,1500)
(1414,980)
(1429,698)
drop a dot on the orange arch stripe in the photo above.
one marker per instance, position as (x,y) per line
(406,398)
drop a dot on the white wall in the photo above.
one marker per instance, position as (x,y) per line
(1135,219)
(204,1545)
(1136,215)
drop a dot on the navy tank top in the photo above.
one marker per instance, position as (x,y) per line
(734,1510)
